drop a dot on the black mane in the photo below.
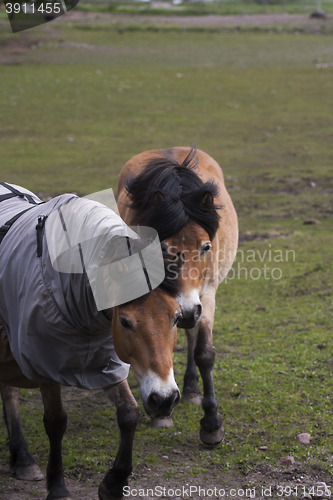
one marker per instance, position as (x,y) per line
(167,195)
(171,284)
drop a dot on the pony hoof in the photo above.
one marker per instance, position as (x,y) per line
(29,473)
(59,498)
(212,438)
(191,397)
(104,494)
(162,422)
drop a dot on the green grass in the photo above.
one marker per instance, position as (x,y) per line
(70,118)
(276,347)
(256,102)
(112,113)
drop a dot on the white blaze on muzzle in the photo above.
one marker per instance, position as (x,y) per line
(121,263)
(150,382)
(188,300)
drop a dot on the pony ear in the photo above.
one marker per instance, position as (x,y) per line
(207,200)
(158,197)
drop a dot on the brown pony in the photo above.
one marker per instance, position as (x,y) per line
(144,334)
(180,192)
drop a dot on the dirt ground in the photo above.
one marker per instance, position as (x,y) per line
(212,20)
(262,482)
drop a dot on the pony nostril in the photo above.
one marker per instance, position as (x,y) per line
(198,312)
(176,399)
(154,401)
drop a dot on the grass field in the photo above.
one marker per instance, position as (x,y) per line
(222,7)
(83,102)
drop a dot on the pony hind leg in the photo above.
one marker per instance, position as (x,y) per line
(21,461)
(55,422)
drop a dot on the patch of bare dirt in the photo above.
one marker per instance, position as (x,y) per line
(212,20)
(12,49)
(261,483)
(170,480)
(12,489)
(250,236)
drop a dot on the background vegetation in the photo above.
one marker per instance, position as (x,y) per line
(219,7)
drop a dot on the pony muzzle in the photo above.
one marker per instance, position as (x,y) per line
(161,406)
(159,396)
(191,308)
(190,318)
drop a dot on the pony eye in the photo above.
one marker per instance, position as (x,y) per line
(125,323)
(177,317)
(205,248)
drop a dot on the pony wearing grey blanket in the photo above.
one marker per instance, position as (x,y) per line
(66,316)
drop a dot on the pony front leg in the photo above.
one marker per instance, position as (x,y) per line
(112,486)
(211,431)
(23,464)
(55,423)
(191,391)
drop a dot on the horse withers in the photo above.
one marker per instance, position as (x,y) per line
(181,193)
(53,334)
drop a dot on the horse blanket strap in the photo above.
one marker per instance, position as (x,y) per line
(39,229)
(16,193)
(142,263)
(4,197)
(5,228)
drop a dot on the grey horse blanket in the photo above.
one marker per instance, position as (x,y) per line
(55,332)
